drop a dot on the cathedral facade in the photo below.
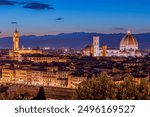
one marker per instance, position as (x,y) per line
(128,47)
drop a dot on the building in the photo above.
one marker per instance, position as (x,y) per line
(17,52)
(8,75)
(104,50)
(96,46)
(74,81)
(92,50)
(128,47)
(16,40)
(43,58)
(129,42)
(88,50)
(21,76)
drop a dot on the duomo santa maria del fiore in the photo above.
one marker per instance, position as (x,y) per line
(128,47)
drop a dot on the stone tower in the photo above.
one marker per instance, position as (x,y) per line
(16,40)
(104,50)
(96,46)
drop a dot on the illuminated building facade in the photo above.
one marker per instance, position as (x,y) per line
(8,75)
(41,77)
(96,46)
(16,40)
(129,42)
(88,50)
(92,50)
(16,52)
(43,58)
(128,47)
(104,50)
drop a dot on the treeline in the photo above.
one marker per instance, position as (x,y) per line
(104,87)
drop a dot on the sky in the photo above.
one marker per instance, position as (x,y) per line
(43,17)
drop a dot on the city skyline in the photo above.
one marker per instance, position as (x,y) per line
(75,50)
(52,17)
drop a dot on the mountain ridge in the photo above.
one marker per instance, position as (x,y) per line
(74,40)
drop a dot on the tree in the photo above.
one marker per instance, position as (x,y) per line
(128,89)
(132,90)
(103,88)
(96,88)
(144,92)
(40,95)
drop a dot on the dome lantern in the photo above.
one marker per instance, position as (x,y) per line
(129,42)
(129,32)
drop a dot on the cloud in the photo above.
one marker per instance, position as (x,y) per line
(119,28)
(13,22)
(37,6)
(26,4)
(59,18)
(7,3)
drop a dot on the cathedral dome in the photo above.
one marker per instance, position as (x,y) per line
(129,42)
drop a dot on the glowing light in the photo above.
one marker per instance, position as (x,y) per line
(129,32)
(46,48)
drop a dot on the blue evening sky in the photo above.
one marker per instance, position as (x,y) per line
(42,17)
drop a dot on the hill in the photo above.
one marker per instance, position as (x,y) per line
(73,40)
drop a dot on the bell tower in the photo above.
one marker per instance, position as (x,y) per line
(16,40)
(96,46)
(104,50)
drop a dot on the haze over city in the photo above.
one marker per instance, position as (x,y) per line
(42,17)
